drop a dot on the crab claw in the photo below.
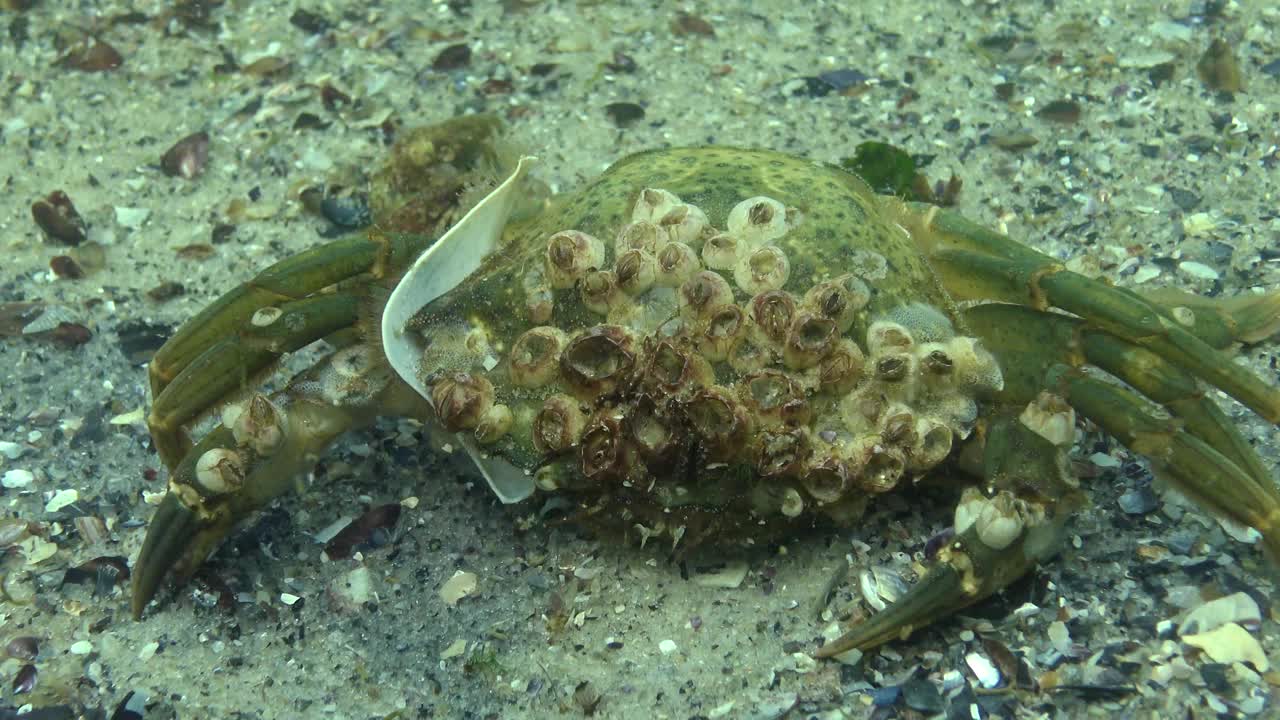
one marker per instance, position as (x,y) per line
(177,540)
(218,483)
(1001,534)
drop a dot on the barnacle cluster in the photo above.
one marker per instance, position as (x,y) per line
(683,378)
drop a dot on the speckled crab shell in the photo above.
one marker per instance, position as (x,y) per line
(711,343)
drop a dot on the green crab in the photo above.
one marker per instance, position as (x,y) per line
(716,345)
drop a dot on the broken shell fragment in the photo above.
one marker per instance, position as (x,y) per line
(459,586)
(187,158)
(58,219)
(23,648)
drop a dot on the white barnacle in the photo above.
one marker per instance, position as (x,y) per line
(652,204)
(762,270)
(720,252)
(220,471)
(570,255)
(758,220)
(1050,417)
(1000,521)
(684,223)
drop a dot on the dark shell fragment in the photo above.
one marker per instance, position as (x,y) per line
(361,531)
(57,217)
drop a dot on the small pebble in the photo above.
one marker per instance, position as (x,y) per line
(1139,501)
(1060,637)
(11,450)
(17,479)
(923,696)
(666,647)
(148,651)
(624,114)
(83,647)
(289,598)
(886,696)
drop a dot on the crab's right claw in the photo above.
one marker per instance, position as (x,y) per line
(1002,531)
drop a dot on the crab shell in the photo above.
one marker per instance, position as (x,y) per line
(710,338)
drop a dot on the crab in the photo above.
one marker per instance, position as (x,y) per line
(718,346)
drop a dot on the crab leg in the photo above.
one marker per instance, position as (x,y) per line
(1191,464)
(978,264)
(256,454)
(234,361)
(239,336)
(1001,533)
(1026,341)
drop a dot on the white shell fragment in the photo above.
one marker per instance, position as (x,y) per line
(61,499)
(438,270)
(1238,608)
(1230,644)
(729,576)
(457,587)
(983,669)
(17,479)
(1198,270)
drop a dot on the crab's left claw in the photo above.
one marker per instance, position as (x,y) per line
(218,483)
(263,444)
(176,535)
(1002,531)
